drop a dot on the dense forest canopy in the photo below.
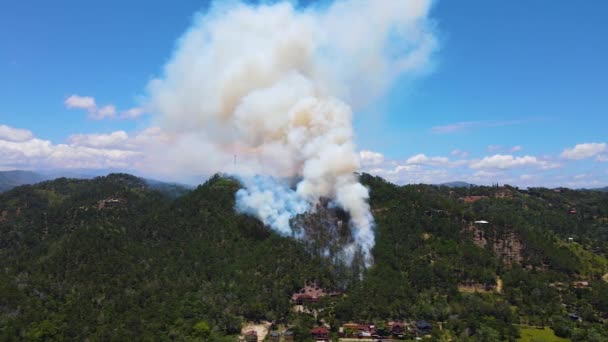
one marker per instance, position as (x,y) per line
(116,258)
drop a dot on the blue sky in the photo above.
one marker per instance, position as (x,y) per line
(513,79)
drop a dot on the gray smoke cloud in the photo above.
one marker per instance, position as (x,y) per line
(275,86)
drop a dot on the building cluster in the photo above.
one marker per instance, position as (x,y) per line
(273,336)
(312,293)
(391,330)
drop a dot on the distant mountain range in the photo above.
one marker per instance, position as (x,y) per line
(11,179)
(457,184)
(602,189)
(14,178)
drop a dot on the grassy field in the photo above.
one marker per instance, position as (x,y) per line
(529,334)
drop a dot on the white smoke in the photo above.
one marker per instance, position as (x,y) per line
(269,84)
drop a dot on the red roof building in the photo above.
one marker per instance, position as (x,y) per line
(320,334)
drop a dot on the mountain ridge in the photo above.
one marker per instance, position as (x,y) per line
(113,258)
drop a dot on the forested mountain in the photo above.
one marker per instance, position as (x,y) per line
(113,258)
(457,184)
(11,179)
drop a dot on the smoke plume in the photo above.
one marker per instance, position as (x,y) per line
(268,90)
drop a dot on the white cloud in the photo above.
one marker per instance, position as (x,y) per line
(116,139)
(485,175)
(602,158)
(421,159)
(583,151)
(14,134)
(30,152)
(501,161)
(468,125)
(494,148)
(132,113)
(515,149)
(501,148)
(459,153)
(108,111)
(370,158)
(81,102)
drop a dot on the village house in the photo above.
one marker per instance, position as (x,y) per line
(288,336)
(320,334)
(274,336)
(311,293)
(581,284)
(423,327)
(396,329)
(355,330)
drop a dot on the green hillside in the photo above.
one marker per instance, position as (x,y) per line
(115,259)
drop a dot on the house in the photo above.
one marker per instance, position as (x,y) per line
(302,299)
(581,284)
(274,336)
(572,211)
(356,330)
(320,334)
(423,327)
(251,336)
(574,317)
(397,329)
(288,336)
(311,293)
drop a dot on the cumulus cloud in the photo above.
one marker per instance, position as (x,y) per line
(31,152)
(81,102)
(370,158)
(116,139)
(14,134)
(584,151)
(501,161)
(459,153)
(95,112)
(132,113)
(421,159)
(515,149)
(108,111)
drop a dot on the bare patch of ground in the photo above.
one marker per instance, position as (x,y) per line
(261,329)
